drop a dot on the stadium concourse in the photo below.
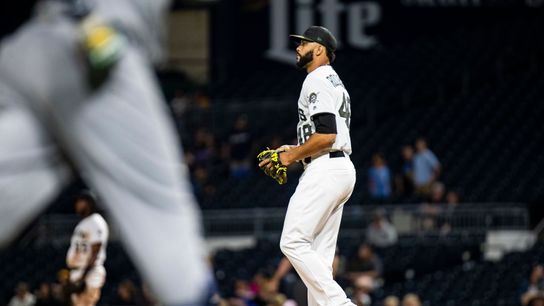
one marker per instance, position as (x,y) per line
(473,90)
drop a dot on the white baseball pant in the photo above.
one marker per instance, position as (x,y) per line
(312,223)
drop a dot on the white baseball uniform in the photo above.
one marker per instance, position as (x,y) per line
(312,222)
(120,138)
(91,230)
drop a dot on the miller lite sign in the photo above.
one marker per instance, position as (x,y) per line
(358,17)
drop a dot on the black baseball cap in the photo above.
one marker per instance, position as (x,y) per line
(320,35)
(87,196)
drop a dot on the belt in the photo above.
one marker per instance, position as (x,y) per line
(333,154)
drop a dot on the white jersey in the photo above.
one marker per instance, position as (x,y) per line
(324,92)
(312,222)
(91,230)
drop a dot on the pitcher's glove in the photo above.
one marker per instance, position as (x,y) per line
(273,168)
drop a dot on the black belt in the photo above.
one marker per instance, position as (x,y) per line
(333,154)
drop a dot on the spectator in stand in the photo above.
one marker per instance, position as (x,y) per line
(391,301)
(362,291)
(202,100)
(338,264)
(380,232)
(453,198)
(431,210)
(244,295)
(219,166)
(200,152)
(438,190)
(411,299)
(426,168)
(266,290)
(44,296)
(240,140)
(428,219)
(452,201)
(260,284)
(365,263)
(379,179)
(534,286)
(180,103)
(294,284)
(204,146)
(404,181)
(202,184)
(209,163)
(22,296)
(59,289)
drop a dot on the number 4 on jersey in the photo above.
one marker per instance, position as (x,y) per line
(345,109)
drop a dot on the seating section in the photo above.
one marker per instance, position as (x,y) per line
(449,272)
(420,255)
(474,93)
(501,124)
(473,283)
(244,264)
(35,265)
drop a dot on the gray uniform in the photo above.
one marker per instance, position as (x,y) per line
(119,138)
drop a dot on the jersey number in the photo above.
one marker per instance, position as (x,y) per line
(81,247)
(345,109)
(301,115)
(303,133)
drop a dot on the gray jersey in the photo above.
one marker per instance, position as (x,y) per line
(141,21)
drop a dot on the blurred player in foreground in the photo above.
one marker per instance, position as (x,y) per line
(78,93)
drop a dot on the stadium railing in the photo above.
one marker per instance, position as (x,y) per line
(466,219)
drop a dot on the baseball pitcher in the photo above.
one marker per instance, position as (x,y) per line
(314,213)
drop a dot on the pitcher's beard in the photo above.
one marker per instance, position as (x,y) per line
(305,59)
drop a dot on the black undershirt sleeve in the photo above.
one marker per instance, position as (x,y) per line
(325,123)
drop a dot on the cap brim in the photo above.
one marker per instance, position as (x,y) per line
(298,38)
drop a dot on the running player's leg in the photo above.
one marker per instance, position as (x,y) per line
(123,142)
(317,196)
(31,172)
